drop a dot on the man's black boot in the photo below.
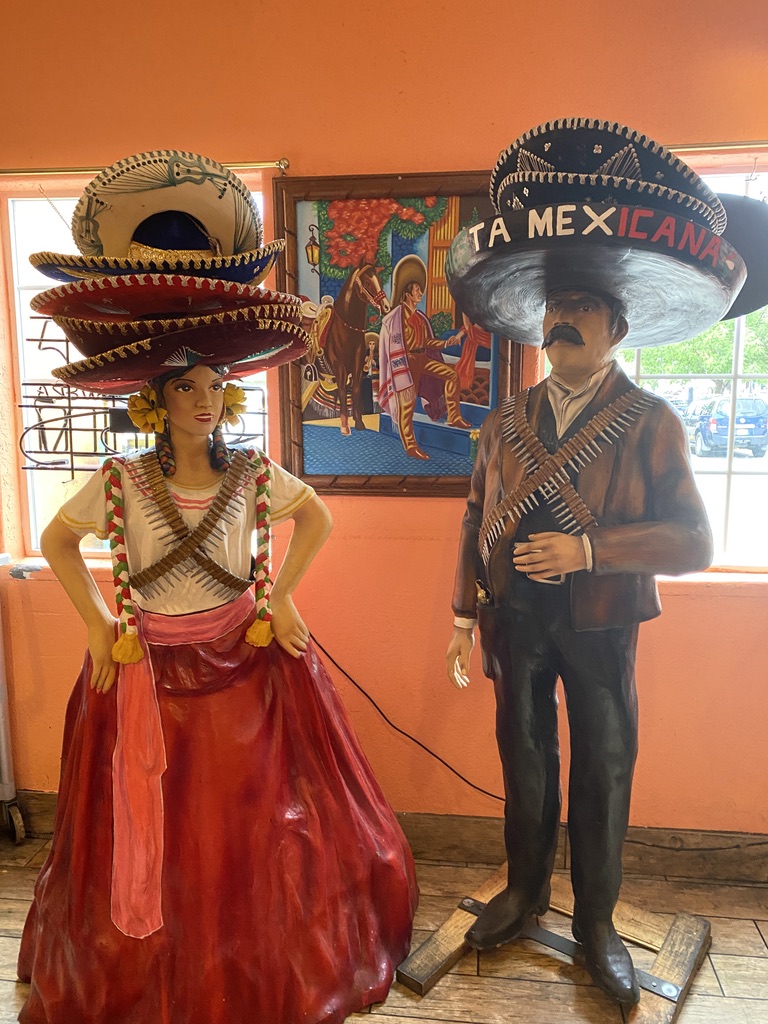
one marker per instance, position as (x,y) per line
(504,917)
(607,959)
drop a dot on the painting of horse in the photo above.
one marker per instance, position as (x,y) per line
(343,343)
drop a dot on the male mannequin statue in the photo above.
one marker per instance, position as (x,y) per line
(528,639)
(582,489)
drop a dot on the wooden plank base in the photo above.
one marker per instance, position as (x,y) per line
(445,947)
(680,956)
(680,948)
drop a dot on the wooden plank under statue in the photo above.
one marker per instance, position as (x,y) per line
(680,947)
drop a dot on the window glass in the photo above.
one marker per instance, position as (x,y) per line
(718,382)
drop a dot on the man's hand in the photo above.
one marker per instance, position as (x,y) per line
(549,554)
(288,627)
(458,655)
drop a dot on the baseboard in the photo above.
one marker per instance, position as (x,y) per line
(38,811)
(462,839)
(673,853)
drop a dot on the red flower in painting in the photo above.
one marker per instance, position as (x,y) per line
(357,226)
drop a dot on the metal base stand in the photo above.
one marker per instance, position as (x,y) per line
(680,948)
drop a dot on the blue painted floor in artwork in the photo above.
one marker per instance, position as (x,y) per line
(369,453)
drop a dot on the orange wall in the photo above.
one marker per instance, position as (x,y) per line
(343,88)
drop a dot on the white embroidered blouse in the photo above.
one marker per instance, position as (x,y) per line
(86,512)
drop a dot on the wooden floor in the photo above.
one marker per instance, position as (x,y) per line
(521,983)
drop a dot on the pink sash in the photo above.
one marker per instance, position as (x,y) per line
(139,761)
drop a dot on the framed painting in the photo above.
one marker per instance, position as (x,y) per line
(396,385)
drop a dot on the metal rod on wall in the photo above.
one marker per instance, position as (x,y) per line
(724,147)
(282,165)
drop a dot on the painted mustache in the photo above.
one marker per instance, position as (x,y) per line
(563,332)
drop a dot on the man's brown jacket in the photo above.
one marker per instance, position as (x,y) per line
(641,491)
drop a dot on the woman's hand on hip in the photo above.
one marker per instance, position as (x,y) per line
(288,627)
(101,640)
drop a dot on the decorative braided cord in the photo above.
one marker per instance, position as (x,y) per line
(261,576)
(113,490)
(547,476)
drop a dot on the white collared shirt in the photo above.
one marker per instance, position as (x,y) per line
(568,402)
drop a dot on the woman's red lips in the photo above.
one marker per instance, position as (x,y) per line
(205,416)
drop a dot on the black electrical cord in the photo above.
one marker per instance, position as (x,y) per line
(397,728)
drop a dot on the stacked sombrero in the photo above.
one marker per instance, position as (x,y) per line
(171,257)
(591,204)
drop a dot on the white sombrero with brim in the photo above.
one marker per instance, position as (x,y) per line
(170,243)
(593,205)
(165,211)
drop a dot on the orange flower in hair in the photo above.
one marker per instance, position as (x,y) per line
(234,404)
(145,411)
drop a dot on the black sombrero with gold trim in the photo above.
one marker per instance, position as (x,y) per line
(592,204)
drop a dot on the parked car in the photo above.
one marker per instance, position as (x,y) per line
(707,422)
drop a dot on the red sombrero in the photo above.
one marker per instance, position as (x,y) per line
(93,337)
(116,299)
(170,245)
(240,340)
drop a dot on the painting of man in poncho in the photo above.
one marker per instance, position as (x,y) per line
(398,379)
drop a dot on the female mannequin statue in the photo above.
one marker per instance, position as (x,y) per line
(222,852)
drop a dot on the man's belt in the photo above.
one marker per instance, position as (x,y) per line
(546,473)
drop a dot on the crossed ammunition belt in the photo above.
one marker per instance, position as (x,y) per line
(188,558)
(546,473)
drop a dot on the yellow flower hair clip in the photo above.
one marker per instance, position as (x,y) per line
(234,403)
(145,411)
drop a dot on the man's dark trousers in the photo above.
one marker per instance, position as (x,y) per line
(524,651)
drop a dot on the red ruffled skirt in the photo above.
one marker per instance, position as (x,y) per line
(288,888)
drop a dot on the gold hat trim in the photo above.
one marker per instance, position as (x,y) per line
(158,325)
(147,280)
(145,344)
(196,261)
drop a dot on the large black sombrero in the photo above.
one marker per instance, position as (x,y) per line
(591,204)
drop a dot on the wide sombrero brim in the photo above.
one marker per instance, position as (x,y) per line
(747,231)
(245,267)
(674,278)
(93,337)
(244,345)
(154,296)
